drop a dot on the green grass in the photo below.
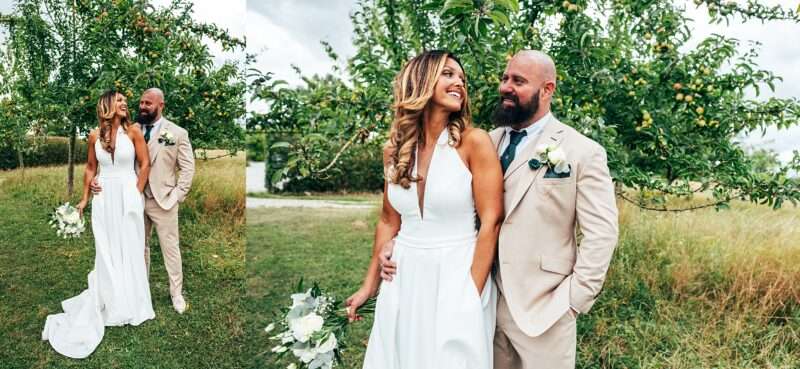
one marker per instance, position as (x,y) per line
(39,270)
(692,290)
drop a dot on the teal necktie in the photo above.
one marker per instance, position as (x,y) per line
(147,129)
(511,150)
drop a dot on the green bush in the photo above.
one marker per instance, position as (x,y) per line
(53,151)
(359,169)
(255,146)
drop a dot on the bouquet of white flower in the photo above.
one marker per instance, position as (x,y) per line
(313,328)
(67,221)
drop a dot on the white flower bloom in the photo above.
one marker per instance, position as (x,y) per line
(301,298)
(541,149)
(291,366)
(302,328)
(322,361)
(562,167)
(304,353)
(556,156)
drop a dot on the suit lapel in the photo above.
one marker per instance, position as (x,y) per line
(552,134)
(154,146)
(497,136)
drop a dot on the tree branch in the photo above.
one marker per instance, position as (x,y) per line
(341,151)
(639,204)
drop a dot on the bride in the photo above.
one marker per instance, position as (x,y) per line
(438,311)
(118,292)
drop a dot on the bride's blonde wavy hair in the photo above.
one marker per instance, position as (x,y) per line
(106,110)
(413,89)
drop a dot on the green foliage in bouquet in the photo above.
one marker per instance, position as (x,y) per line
(667,114)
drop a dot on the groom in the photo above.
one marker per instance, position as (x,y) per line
(557,184)
(171,172)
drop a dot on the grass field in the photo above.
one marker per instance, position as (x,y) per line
(39,270)
(692,290)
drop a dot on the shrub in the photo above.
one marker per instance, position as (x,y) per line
(53,151)
(359,169)
(255,146)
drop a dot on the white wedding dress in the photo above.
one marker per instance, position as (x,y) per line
(430,315)
(118,292)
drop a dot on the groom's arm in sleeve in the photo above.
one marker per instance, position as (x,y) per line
(185,165)
(597,217)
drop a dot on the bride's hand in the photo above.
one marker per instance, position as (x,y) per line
(81,205)
(388,267)
(354,302)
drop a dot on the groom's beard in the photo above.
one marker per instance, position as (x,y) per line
(517,114)
(146,118)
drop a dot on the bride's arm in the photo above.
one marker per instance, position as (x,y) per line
(387,228)
(142,156)
(487,188)
(89,171)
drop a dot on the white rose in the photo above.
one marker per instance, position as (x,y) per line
(302,328)
(556,156)
(300,298)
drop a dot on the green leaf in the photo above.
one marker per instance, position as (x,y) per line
(512,5)
(279,145)
(498,17)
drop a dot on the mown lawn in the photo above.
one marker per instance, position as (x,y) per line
(693,290)
(39,270)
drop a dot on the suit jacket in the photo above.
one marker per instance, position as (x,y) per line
(541,269)
(171,166)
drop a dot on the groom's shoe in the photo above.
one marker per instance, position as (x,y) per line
(179,304)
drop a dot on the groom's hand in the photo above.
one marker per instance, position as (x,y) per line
(95,186)
(388,267)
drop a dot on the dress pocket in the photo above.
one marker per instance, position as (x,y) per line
(483,297)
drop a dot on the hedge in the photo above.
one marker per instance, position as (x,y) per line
(53,151)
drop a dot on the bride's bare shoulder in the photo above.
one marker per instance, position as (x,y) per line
(135,131)
(476,138)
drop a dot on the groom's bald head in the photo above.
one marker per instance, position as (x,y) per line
(539,63)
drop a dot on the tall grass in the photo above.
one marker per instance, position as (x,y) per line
(704,289)
(38,270)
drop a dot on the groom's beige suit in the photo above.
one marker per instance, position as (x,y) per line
(171,172)
(543,272)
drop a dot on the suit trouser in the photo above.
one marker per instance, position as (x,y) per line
(553,349)
(166,224)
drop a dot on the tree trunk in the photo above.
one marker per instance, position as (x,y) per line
(21,160)
(71,161)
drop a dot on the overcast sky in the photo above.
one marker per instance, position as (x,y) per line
(286,32)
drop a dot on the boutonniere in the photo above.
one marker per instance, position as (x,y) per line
(166,138)
(553,158)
